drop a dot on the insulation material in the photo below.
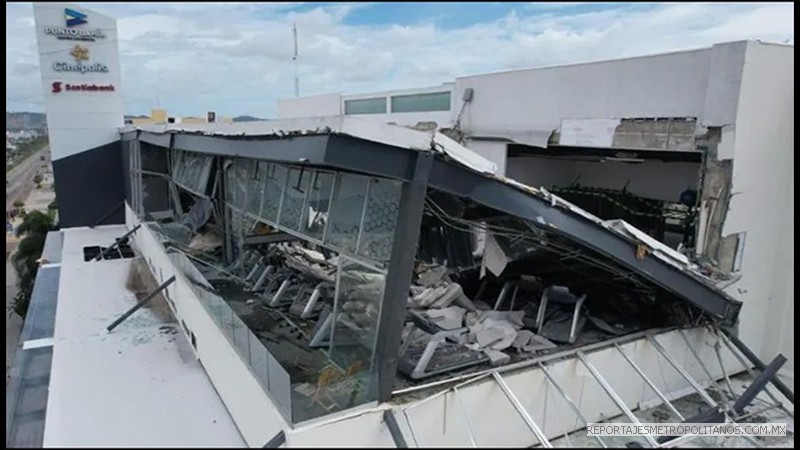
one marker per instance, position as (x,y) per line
(494,259)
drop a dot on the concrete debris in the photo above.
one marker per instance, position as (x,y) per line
(527,341)
(482,306)
(496,357)
(205,242)
(513,318)
(452,292)
(617,329)
(493,333)
(432,276)
(447,318)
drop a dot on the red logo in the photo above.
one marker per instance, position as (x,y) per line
(56,86)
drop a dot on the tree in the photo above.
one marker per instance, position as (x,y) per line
(34,227)
(18,203)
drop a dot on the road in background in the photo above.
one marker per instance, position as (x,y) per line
(19,187)
(19,180)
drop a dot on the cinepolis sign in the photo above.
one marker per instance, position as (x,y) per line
(80,54)
(73,19)
(80,68)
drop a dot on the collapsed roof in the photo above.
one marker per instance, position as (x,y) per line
(601,249)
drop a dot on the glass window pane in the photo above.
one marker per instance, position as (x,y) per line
(256,186)
(380,219)
(438,101)
(191,170)
(315,214)
(348,204)
(276,180)
(359,293)
(365,106)
(294,197)
(240,182)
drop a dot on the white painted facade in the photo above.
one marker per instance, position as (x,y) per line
(746,88)
(78,120)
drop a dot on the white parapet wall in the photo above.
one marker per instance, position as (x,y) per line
(251,408)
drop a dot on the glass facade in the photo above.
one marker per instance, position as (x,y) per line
(351,215)
(365,106)
(437,101)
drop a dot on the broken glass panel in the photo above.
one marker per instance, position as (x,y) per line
(191,170)
(241,170)
(255,188)
(276,181)
(348,205)
(380,219)
(315,214)
(294,197)
(359,292)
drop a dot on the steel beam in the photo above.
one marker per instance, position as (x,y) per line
(144,301)
(401,264)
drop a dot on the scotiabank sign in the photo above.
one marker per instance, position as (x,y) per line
(59,86)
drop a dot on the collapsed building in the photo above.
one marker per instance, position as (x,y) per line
(339,281)
(351,262)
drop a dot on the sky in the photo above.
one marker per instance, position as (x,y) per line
(236,58)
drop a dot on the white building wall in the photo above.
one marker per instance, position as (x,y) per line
(495,152)
(763,176)
(313,106)
(668,85)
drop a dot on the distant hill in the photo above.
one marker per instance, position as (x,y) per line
(25,121)
(246,119)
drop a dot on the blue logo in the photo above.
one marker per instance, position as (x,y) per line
(74,17)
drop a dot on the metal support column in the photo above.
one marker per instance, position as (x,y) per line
(569,401)
(116,243)
(394,429)
(401,264)
(144,301)
(650,383)
(682,371)
(611,393)
(758,364)
(522,412)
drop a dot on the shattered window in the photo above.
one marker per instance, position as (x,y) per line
(380,219)
(255,177)
(345,218)
(241,169)
(293,199)
(315,213)
(276,180)
(191,170)
(357,308)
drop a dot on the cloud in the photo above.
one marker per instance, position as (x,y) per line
(236,58)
